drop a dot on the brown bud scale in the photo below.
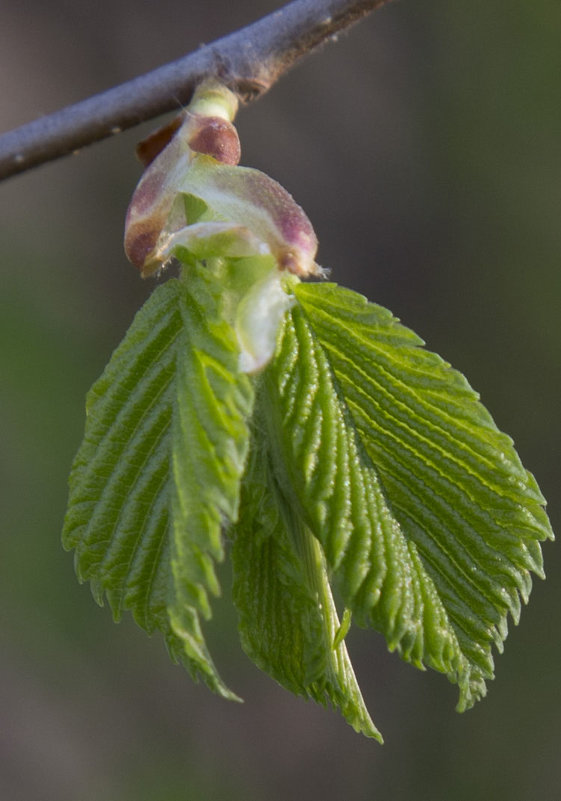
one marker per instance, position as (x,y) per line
(152,146)
(216,137)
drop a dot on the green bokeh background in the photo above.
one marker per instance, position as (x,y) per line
(426,148)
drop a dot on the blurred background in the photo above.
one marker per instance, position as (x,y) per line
(425,146)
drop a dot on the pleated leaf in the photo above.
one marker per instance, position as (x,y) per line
(287,618)
(159,470)
(331,482)
(429,523)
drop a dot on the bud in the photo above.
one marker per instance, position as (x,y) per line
(198,155)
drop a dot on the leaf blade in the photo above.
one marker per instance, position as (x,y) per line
(144,532)
(331,481)
(471,515)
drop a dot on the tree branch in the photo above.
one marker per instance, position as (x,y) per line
(248,61)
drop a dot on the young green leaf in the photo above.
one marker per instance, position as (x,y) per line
(287,618)
(331,482)
(159,470)
(451,521)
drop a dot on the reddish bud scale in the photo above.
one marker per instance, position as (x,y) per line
(215,137)
(151,204)
(152,146)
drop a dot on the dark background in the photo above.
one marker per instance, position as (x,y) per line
(426,148)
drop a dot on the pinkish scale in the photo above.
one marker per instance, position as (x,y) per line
(249,197)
